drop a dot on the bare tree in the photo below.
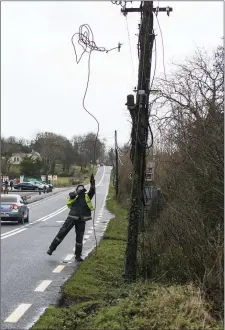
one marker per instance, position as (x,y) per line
(190,170)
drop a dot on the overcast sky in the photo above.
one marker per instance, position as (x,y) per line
(43,87)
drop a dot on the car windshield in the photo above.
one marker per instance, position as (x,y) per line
(8,199)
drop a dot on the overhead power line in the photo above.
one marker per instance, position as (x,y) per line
(163,48)
(86,41)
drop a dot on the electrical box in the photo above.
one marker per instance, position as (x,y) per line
(130,102)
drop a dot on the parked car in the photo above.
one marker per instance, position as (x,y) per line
(48,186)
(45,186)
(14,208)
(27,186)
(38,184)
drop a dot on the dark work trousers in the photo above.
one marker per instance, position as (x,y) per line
(65,229)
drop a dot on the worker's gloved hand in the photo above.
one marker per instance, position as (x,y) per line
(72,195)
(92,180)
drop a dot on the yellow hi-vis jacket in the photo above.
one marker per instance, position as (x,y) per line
(87,199)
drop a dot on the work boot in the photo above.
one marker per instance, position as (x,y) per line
(79,258)
(53,246)
(49,252)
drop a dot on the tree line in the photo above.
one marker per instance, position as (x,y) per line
(54,149)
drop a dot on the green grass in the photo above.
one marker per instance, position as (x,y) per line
(67,181)
(97,298)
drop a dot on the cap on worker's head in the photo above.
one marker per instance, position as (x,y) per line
(80,187)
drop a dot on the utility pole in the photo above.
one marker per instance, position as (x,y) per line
(140,118)
(117,166)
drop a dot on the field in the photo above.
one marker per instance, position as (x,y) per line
(65,181)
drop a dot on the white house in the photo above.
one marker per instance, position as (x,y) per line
(17,158)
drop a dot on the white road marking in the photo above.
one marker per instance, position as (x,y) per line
(44,284)
(51,215)
(46,199)
(12,231)
(86,236)
(45,218)
(69,257)
(58,269)
(12,234)
(18,312)
(89,231)
(60,221)
(101,178)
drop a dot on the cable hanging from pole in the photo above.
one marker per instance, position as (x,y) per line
(86,41)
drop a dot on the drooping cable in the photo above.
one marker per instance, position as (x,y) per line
(163,48)
(86,41)
(131,56)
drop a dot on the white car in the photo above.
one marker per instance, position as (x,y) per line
(38,184)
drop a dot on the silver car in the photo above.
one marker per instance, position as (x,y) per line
(14,208)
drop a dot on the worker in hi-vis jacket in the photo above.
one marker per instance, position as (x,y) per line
(80,205)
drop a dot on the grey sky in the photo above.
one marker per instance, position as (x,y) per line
(43,86)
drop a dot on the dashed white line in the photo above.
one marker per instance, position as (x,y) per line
(58,269)
(69,257)
(86,236)
(89,231)
(18,313)
(44,284)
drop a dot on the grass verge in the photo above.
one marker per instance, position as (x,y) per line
(96,297)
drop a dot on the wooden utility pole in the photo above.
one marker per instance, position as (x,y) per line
(146,38)
(140,117)
(117,166)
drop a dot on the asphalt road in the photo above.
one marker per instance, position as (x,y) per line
(30,279)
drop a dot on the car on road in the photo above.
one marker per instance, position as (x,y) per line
(44,186)
(14,208)
(48,184)
(27,186)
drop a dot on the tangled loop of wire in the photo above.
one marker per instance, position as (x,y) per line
(119,3)
(86,41)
